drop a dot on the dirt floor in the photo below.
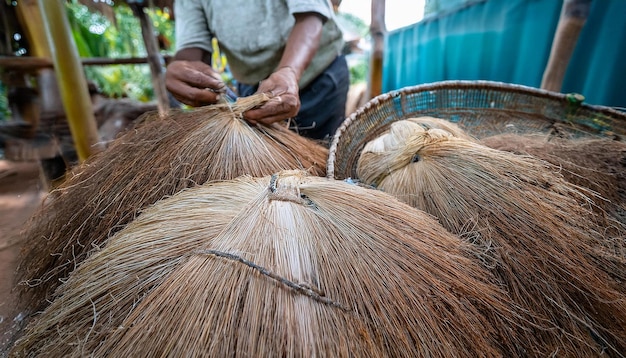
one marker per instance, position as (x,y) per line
(22,188)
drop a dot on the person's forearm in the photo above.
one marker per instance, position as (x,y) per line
(302,43)
(300,49)
(193,54)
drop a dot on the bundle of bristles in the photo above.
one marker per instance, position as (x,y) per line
(548,244)
(597,164)
(190,236)
(155,160)
(286,265)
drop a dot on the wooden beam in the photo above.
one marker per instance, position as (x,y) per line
(24,62)
(33,63)
(105,61)
(71,78)
(378,32)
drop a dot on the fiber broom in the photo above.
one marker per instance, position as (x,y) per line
(598,164)
(538,233)
(285,265)
(157,159)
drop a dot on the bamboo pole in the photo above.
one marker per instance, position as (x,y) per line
(154,57)
(573,17)
(72,81)
(378,32)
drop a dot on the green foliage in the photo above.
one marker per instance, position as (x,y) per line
(131,81)
(87,30)
(5,113)
(164,26)
(96,36)
(353,23)
(359,69)
(358,62)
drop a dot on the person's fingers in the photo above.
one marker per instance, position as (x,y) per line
(195,73)
(276,109)
(202,79)
(192,96)
(193,83)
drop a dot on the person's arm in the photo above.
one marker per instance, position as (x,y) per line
(191,79)
(190,74)
(300,49)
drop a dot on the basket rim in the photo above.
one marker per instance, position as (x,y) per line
(382,99)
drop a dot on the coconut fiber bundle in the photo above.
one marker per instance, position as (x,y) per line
(539,235)
(157,159)
(288,265)
(595,163)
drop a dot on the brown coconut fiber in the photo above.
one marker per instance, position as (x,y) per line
(157,159)
(598,164)
(290,265)
(538,233)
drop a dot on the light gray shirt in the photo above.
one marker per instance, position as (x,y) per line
(253,33)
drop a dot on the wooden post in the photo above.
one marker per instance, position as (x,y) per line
(155,59)
(378,32)
(71,78)
(573,17)
(29,17)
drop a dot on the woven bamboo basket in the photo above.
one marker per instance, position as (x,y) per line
(482,108)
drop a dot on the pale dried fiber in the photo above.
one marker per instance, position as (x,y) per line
(400,131)
(157,159)
(539,235)
(597,164)
(290,265)
(428,122)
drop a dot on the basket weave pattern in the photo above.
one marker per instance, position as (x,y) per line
(482,108)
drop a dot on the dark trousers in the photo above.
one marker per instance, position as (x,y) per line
(322,102)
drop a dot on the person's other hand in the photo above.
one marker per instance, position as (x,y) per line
(193,82)
(285,101)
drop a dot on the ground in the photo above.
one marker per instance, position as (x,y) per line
(22,188)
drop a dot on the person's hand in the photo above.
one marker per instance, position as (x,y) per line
(282,85)
(193,82)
